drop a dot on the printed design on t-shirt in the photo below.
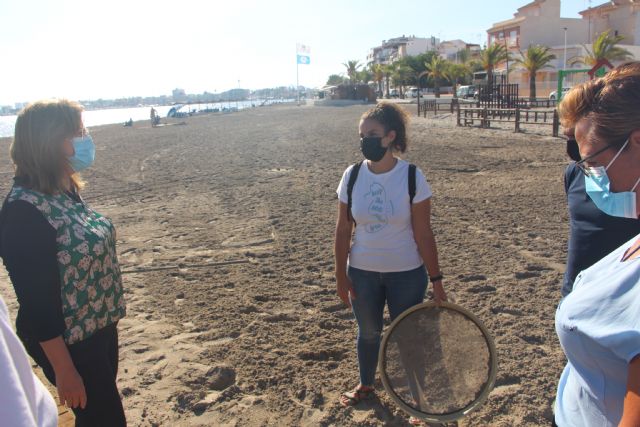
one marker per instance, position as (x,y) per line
(91,283)
(378,208)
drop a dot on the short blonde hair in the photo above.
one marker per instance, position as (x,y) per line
(36,150)
(611,103)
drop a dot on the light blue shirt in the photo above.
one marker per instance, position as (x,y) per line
(598,325)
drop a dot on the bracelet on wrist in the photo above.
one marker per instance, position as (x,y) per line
(437,278)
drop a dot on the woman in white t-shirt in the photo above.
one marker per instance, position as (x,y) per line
(393,241)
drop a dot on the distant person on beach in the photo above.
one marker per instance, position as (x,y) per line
(388,201)
(61,258)
(155,118)
(24,400)
(592,232)
(598,323)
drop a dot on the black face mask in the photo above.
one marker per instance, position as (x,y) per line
(372,149)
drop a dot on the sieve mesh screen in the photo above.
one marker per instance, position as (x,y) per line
(437,361)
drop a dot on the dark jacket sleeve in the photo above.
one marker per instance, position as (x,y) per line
(29,252)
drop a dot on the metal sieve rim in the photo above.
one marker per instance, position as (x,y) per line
(452,416)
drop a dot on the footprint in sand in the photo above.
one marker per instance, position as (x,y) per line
(281,317)
(481,289)
(533,339)
(321,355)
(526,274)
(473,278)
(505,310)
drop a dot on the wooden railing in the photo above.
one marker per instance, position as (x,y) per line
(518,116)
(434,106)
(536,103)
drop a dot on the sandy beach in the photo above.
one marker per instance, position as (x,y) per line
(225,232)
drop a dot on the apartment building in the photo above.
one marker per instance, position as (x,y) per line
(621,17)
(449,49)
(539,23)
(399,47)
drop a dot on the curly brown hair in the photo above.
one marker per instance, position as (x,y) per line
(610,103)
(391,117)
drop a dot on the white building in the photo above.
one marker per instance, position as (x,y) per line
(393,49)
(621,17)
(539,23)
(449,49)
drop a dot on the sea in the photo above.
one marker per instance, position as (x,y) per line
(121,115)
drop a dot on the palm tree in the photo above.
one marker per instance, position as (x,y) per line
(455,72)
(335,79)
(604,47)
(436,69)
(352,70)
(388,72)
(401,74)
(378,76)
(492,56)
(536,58)
(463,55)
(364,76)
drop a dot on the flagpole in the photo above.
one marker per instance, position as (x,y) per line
(297,80)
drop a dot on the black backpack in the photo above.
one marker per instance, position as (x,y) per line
(354,175)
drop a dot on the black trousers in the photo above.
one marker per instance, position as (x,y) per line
(96,360)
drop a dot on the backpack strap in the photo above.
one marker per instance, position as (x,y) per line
(412,182)
(352,181)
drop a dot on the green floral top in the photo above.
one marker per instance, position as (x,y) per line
(91,283)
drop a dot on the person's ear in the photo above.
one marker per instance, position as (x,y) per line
(391,137)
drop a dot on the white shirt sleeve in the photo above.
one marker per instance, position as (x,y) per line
(423,189)
(627,346)
(24,401)
(342,187)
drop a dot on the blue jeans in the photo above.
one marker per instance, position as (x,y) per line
(400,290)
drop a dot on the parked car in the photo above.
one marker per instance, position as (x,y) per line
(394,93)
(466,91)
(554,94)
(412,92)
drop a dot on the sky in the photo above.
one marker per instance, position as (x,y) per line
(89,49)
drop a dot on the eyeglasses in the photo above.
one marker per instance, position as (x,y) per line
(580,163)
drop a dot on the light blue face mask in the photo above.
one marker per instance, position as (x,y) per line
(85,153)
(597,185)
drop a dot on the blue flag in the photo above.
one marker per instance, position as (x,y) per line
(304,59)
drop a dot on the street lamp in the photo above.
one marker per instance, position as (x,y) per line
(504,33)
(564,64)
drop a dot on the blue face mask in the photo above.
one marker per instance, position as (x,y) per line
(85,153)
(597,185)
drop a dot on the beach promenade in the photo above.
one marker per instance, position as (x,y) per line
(225,234)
